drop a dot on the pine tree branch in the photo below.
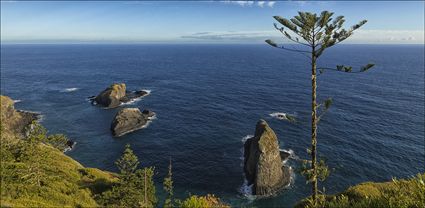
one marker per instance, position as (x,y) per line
(281,30)
(346,69)
(293,50)
(270,42)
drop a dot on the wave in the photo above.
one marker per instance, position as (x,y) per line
(72,89)
(37,114)
(17,101)
(150,119)
(245,189)
(132,101)
(146,90)
(247,137)
(69,148)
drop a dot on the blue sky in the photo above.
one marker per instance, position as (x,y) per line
(197,21)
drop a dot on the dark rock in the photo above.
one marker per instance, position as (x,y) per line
(263,163)
(284,155)
(128,120)
(148,113)
(141,92)
(69,145)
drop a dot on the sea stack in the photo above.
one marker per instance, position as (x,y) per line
(111,96)
(116,94)
(263,162)
(128,120)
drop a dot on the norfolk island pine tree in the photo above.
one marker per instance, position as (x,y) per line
(316,33)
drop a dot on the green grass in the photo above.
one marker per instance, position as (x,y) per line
(404,193)
(63,181)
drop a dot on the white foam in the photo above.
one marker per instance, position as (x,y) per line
(40,118)
(246,190)
(282,116)
(132,101)
(72,89)
(148,91)
(279,115)
(17,101)
(246,137)
(149,121)
(135,100)
(70,148)
(290,152)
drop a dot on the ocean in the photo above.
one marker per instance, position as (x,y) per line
(208,98)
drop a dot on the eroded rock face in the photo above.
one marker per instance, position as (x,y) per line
(263,163)
(15,121)
(111,96)
(128,120)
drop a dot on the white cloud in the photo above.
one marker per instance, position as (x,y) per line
(232,35)
(261,3)
(388,36)
(271,3)
(360,36)
(244,3)
(251,3)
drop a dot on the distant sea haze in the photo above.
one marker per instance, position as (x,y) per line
(207,98)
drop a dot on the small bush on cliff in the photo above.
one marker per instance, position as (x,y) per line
(58,141)
(209,201)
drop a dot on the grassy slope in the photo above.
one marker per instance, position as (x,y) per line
(65,181)
(397,193)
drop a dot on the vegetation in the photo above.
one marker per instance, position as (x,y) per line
(168,187)
(35,174)
(135,188)
(398,194)
(316,33)
(209,201)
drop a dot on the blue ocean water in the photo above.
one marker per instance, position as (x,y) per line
(209,97)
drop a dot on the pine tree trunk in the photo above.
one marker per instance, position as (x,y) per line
(145,198)
(313,127)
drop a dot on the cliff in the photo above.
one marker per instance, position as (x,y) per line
(36,174)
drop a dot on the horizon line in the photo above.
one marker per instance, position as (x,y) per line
(176,43)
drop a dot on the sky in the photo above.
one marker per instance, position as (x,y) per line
(391,22)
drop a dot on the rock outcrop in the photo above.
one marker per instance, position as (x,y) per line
(128,120)
(111,96)
(116,94)
(263,162)
(15,121)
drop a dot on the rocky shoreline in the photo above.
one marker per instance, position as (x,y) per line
(20,122)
